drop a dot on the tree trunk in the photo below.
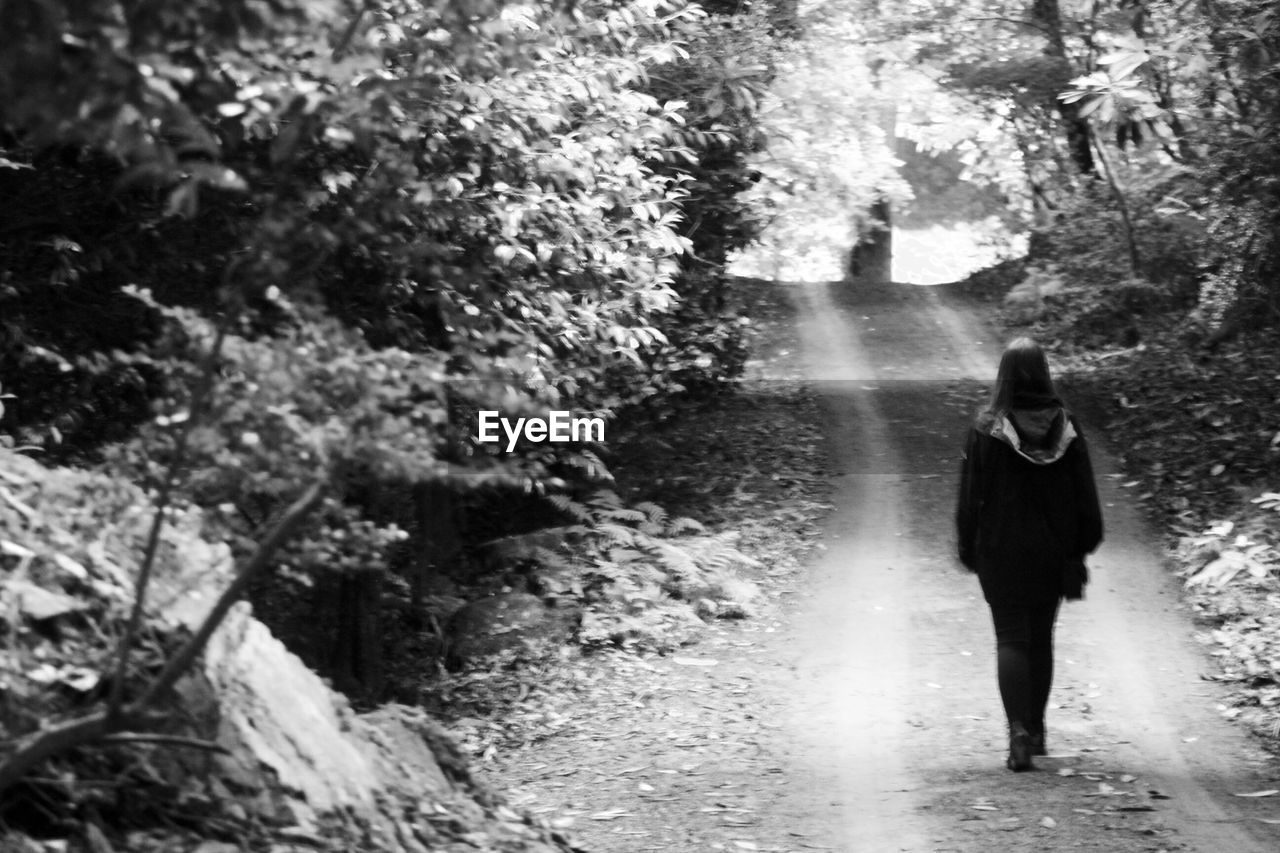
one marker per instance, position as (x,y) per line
(1121,202)
(352,603)
(1162,83)
(1049,16)
(435,536)
(872,256)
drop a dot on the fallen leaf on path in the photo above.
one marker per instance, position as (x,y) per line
(1048,822)
(986,807)
(1066,771)
(1084,811)
(611,814)
(1270,792)
(1127,778)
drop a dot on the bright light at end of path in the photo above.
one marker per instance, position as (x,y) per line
(940,254)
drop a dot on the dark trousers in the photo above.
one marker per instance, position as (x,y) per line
(1024,661)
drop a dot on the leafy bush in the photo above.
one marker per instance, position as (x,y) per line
(514,200)
(314,245)
(1086,240)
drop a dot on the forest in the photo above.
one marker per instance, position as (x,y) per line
(264,262)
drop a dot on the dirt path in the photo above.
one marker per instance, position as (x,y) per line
(894,718)
(863,715)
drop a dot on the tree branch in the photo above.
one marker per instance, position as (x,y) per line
(1118,193)
(199,400)
(39,746)
(167,740)
(344,41)
(278,535)
(1021,22)
(46,743)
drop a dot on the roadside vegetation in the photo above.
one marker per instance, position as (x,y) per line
(261,265)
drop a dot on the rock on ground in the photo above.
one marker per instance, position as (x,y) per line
(298,754)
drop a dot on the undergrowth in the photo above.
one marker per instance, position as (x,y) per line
(649,579)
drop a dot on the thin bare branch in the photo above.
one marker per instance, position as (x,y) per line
(1118,193)
(46,743)
(344,41)
(278,535)
(199,401)
(166,740)
(1021,22)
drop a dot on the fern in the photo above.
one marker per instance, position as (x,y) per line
(653,512)
(673,557)
(617,534)
(646,561)
(590,464)
(631,516)
(603,499)
(722,560)
(626,555)
(578,512)
(550,559)
(684,525)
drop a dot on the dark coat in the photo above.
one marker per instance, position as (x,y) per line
(1028,503)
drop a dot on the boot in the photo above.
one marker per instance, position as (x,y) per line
(1019,748)
(1037,743)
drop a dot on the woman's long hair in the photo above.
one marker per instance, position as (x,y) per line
(1023,378)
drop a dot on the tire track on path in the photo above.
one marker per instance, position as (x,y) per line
(844,763)
(893,722)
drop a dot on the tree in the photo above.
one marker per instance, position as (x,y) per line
(829,157)
(1048,15)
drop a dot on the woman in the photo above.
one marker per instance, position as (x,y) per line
(1028,514)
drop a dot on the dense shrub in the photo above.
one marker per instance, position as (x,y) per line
(246,246)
